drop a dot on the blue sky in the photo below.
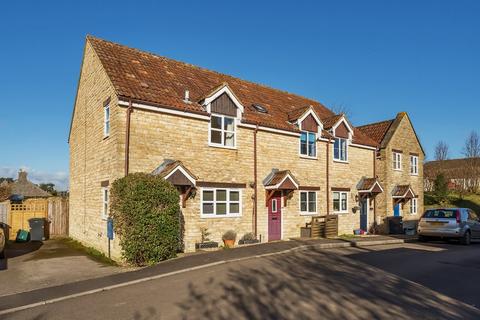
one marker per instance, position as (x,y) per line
(374,58)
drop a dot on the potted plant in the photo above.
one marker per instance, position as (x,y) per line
(248,238)
(205,243)
(229,238)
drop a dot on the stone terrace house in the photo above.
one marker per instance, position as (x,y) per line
(243,156)
(399,168)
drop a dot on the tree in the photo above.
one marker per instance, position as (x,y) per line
(146,217)
(440,189)
(49,187)
(441,151)
(471,151)
(8,180)
(341,108)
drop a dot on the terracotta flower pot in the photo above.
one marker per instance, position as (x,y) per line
(229,243)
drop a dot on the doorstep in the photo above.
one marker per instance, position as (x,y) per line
(366,241)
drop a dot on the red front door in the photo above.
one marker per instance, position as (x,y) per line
(275,217)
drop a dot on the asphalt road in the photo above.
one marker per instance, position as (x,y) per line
(349,283)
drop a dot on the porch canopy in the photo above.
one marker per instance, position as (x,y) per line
(403,194)
(279,181)
(177,174)
(369,187)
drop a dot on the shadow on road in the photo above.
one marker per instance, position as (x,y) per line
(317,285)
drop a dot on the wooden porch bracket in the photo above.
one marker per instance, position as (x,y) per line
(185,195)
(268,195)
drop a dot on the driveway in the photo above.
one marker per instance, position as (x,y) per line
(304,284)
(36,265)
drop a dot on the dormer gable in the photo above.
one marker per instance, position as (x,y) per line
(342,128)
(223,101)
(306,119)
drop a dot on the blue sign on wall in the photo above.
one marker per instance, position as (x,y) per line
(110,228)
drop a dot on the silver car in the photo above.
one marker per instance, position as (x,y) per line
(454,223)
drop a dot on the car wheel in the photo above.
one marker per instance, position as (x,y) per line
(466,239)
(422,239)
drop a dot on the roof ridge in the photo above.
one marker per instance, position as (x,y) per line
(205,69)
(375,123)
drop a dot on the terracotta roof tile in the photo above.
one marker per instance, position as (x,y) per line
(162,81)
(376,131)
(165,81)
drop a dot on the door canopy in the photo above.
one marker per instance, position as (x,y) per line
(280,180)
(403,192)
(369,187)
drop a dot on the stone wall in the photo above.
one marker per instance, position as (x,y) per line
(93,157)
(403,139)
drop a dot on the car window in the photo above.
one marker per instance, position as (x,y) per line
(441,214)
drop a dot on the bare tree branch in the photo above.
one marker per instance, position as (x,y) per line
(441,151)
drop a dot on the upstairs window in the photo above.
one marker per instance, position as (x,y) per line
(106,120)
(340,150)
(308,144)
(414,165)
(222,131)
(397,161)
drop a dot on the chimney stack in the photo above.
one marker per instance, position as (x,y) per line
(22,176)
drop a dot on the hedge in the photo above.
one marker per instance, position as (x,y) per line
(147,218)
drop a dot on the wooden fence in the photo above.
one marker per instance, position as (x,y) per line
(325,226)
(16,215)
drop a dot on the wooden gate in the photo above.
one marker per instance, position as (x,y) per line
(20,213)
(58,216)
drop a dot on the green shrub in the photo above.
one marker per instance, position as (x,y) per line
(147,218)
(440,189)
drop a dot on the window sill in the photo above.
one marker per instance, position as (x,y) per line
(220,217)
(104,218)
(414,174)
(340,161)
(221,146)
(105,137)
(308,213)
(340,212)
(398,170)
(302,156)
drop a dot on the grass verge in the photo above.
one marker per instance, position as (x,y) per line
(92,253)
(471,201)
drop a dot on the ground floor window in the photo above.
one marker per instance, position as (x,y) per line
(308,202)
(414,206)
(220,203)
(340,202)
(105,200)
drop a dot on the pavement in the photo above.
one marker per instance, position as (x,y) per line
(303,282)
(36,265)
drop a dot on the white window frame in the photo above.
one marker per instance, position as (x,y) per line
(274,206)
(340,153)
(106,120)
(106,202)
(214,201)
(414,206)
(308,202)
(346,193)
(413,165)
(302,155)
(222,131)
(397,161)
